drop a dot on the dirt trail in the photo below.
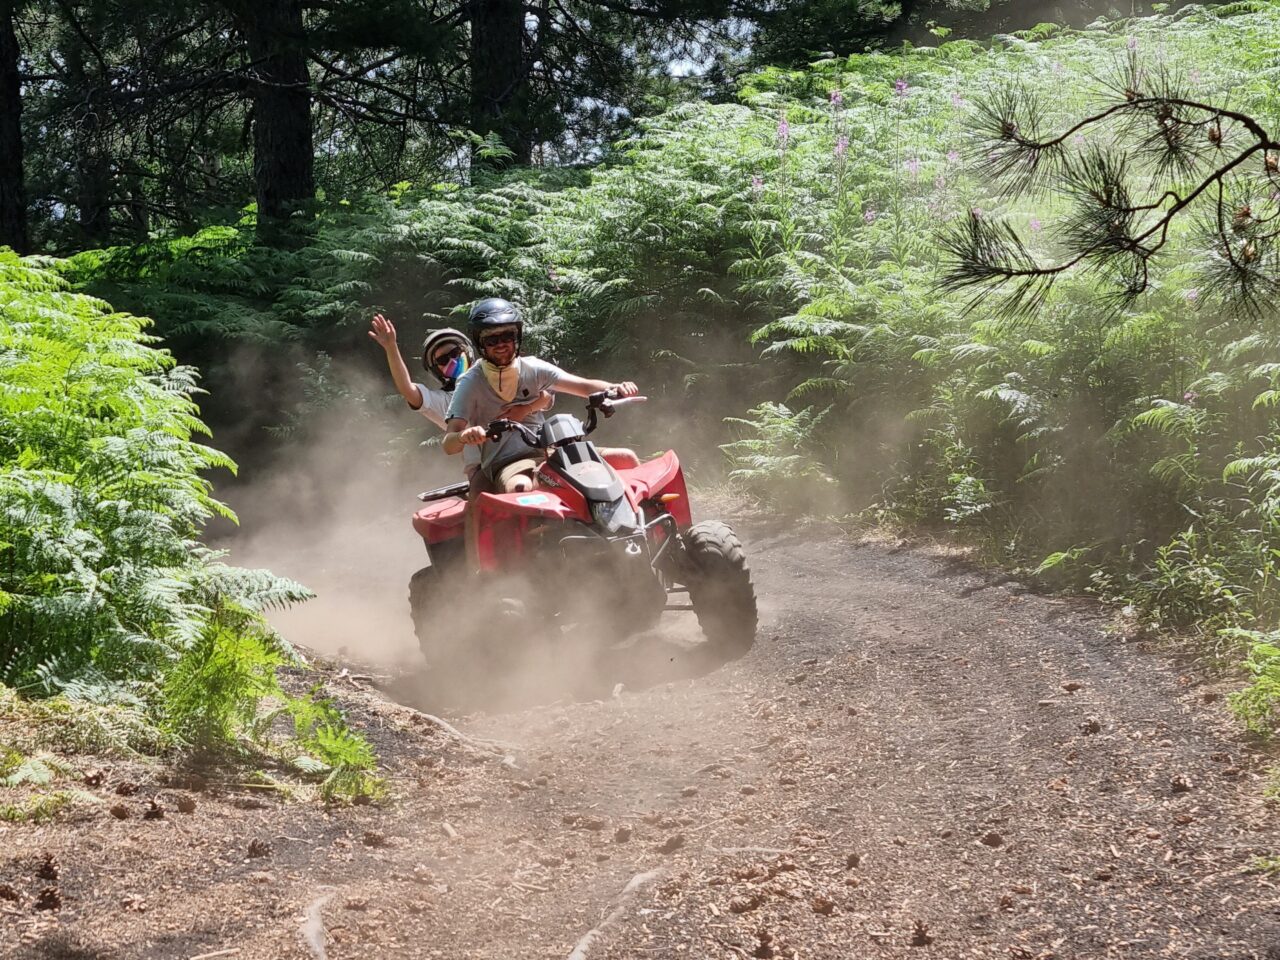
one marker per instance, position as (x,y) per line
(912,762)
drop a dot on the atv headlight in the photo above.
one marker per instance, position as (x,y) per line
(614,516)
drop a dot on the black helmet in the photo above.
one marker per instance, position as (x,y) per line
(460,365)
(490,313)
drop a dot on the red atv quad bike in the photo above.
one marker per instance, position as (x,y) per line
(591,545)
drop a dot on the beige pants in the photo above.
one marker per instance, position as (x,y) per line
(508,475)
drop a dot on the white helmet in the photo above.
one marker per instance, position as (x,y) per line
(459,364)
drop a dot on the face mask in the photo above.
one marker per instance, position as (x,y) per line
(455,367)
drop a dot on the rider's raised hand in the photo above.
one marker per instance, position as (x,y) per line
(383,331)
(624,389)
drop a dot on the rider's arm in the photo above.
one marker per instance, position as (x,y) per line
(582,387)
(453,442)
(521,410)
(384,332)
(460,435)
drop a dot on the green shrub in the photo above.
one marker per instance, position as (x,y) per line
(1258,704)
(106,593)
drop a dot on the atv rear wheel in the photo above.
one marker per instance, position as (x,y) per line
(720,587)
(428,591)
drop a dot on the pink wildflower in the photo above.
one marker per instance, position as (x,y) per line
(870,216)
(842,145)
(976,213)
(1131,43)
(1192,295)
(953,156)
(900,87)
(912,166)
(757,185)
(1190,398)
(837,98)
(957,100)
(784,130)
(1036,225)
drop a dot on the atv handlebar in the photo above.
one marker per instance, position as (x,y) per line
(497,428)
(604,401)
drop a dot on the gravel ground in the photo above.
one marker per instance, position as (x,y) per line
(915,760)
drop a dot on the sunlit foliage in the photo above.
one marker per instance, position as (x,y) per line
(107,595)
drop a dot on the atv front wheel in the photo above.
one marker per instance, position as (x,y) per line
(720,587)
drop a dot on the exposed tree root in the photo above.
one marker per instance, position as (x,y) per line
(619,908)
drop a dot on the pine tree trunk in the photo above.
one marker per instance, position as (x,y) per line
(13,202)
(92,163)
(500,95)
(283,154)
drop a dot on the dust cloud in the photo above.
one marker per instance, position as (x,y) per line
(330,507)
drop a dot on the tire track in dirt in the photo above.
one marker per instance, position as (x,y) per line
(827,796)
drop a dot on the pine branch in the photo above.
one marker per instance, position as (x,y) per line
(1167,136)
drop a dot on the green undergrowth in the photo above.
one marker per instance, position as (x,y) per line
(119,630)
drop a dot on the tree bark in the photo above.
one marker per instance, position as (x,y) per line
(13,201)
(500,95)
(283,153)
(92,163)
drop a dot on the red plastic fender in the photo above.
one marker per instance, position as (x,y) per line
(440,520)
(659,477)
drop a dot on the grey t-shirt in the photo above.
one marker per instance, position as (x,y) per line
(477,403)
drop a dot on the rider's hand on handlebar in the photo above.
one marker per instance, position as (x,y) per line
(624,389)
(473,436)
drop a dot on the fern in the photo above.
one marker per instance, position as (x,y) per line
(109,605)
